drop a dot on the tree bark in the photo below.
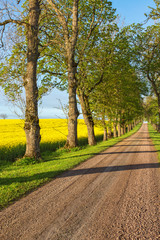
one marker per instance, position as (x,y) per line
(114,130)
(105,134)
(109,131)
(122,130)
(134,123)
(129,127)
(72,82)
(87,115)
(119,130)
(31,126)
(73,111)
(70,46)
(104,128)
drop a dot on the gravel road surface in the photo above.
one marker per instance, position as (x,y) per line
(114,195)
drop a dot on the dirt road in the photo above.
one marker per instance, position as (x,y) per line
(114,195)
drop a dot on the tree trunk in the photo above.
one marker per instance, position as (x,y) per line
(134,123)
(119,127)
(114,130)
(122,130)
(73,111)
(105,128)
(119,130)
(109,131)
(71,41)
(105,134)
(87,115)
(31,126)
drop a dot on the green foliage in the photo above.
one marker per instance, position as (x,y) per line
(151,109)
(119,95)
(52,63)
(155,12)
(26,161)
(12,72)
(150,54)
(149,59)
(9,154)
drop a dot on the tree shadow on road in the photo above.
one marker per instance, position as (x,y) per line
(108,169)
(77,172)
(107,153)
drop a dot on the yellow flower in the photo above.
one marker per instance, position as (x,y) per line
(52,130)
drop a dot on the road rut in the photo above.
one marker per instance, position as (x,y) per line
(114,195)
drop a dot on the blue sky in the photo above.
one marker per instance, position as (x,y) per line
(131,11)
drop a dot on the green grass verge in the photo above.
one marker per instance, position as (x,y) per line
(24,175)
(155,136)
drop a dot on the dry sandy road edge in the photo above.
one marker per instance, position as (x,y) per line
(114,195)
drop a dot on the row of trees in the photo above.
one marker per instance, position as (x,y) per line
(149,65)
(75,45)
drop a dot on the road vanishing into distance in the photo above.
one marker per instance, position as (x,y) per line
(114,195)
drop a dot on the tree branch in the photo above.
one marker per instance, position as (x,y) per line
(61,19)
(2,36)
(97,83)
(19,22)
(52,73)
(75,24)
(92,27)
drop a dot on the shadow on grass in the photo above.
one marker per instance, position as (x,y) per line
(77,172)
(139,138)
(135,140)
(153,132)
(133,145)
(102,153)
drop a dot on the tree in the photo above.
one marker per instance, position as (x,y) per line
(3,116)
(59,58)
(76,23)
(69,32)
(31,127)
(114,99)
(151,110)
(155,12)
(92,70)
(150,58)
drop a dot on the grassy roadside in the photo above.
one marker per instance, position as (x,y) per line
(155,136)
(21,177)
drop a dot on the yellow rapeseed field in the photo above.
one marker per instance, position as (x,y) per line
(52,130)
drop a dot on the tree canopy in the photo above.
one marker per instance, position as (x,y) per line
(79,46)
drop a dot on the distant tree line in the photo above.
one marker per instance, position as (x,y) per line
(3,115)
